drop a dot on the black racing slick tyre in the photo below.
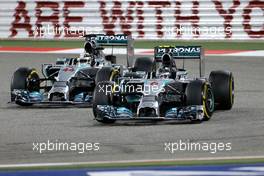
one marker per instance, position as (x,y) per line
(106,74)
(199,92)
(102,96)
(223,88)
(24,79)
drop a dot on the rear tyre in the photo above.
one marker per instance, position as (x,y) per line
(200,93)
(223,88)
(101,97)
(24,79)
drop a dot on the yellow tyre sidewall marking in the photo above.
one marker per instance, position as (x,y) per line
(113,74)
(31,73)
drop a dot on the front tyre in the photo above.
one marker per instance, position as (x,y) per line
(24,79)
(200,93)
(223,88)
(106,74)
(102,96)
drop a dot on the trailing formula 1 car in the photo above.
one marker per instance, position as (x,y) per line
(70,80)
(157,89)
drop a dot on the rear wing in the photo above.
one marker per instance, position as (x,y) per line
(109,40)
(114,40)
(182,52)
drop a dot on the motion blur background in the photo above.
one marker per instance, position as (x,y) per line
(191,19)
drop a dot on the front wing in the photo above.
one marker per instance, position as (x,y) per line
(194,112)
(26,98)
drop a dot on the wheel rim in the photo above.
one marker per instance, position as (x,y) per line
(210,100)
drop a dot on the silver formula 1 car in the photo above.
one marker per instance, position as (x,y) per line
(70,80)
(157,89)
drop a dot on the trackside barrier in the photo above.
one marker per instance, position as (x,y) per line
(148,19)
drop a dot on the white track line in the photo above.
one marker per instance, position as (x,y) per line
(259,53)
(129,161)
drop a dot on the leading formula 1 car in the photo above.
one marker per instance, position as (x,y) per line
(70,80)
(157,89)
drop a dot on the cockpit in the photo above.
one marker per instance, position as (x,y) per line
(167,67)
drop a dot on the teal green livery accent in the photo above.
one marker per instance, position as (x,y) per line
(133,98)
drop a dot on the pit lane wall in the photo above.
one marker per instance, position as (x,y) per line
(149,19)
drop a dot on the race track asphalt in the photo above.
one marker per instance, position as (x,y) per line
(243,126)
